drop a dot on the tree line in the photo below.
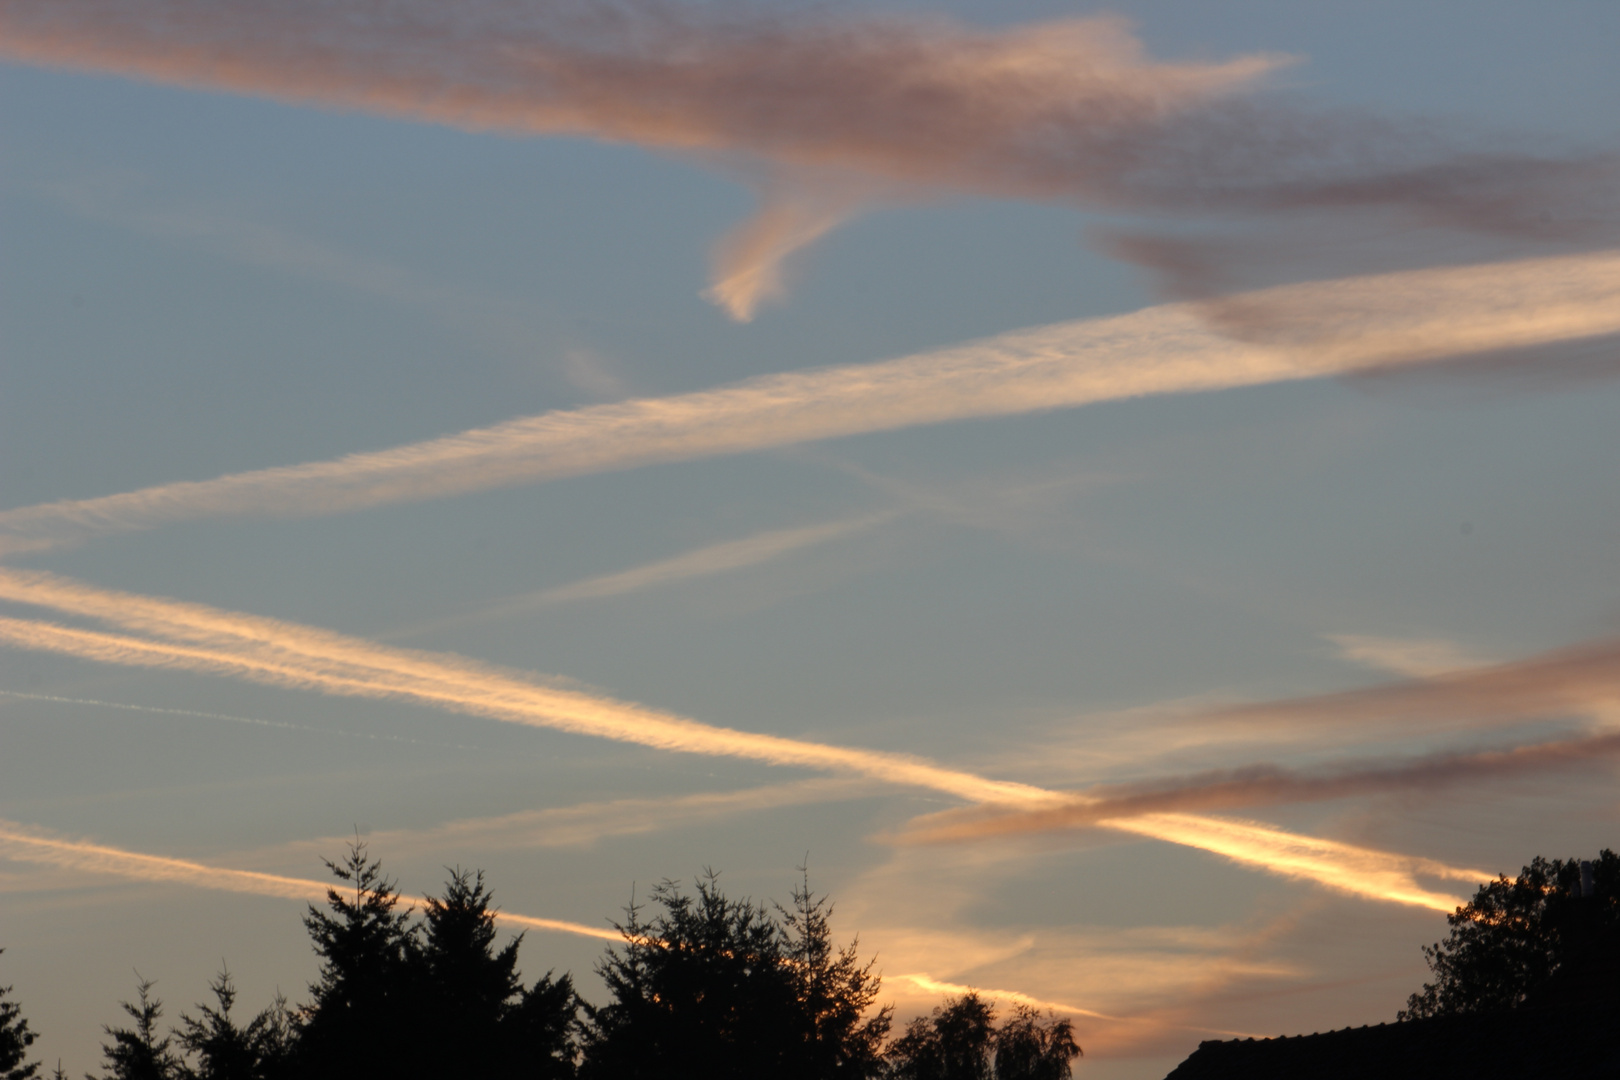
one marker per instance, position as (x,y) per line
(700,986)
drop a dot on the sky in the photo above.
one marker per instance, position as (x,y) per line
(1123,495)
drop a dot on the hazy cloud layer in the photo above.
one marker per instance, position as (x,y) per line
(1285,333)
(191,637)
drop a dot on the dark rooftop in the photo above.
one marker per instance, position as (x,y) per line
(1572,1042)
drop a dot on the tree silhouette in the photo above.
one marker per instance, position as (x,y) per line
(834,991)
(363,1015)
(1027,1049)
(138,1053)
(700,991)
(478,1020)
(260,1051)
(1518,939)
(15,1039)
(959,1041)
(954,1043)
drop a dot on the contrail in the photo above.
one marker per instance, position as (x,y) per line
(286,654)
(1301,332)
(583,824)
(211,641)
(1258,785)
(824,114)
(1345,868)
(705,561)
(18,842)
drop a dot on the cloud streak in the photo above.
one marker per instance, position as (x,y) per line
(191,637)
(1286,333)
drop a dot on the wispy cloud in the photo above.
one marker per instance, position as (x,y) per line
(1581,680)
(707,561)
(192,637)
(825,113)
(1416,657)
(1311,330)
(819,112)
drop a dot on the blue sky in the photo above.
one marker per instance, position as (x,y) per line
(1098,583)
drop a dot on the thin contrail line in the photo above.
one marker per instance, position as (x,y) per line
(162,711)
(18,843)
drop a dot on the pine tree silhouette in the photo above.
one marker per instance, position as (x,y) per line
(224,1051)
(363,1016)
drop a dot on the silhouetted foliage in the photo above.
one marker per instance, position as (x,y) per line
(260,1051)
(718,988)
(1518,939)
(15,1039)
(138,1053)
(959,1041)
(955,1043)
(541,1030)
(362,1017)
(1028,1049)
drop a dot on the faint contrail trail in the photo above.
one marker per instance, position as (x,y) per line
(284,654)
(18,842)
(702,562)
(233,719)
(1296,332)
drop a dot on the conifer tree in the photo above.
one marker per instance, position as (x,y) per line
(363,1016)
(699,991)
(834,991)
(138,1053)
(15,1039)
(224,1051)
(468,986)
